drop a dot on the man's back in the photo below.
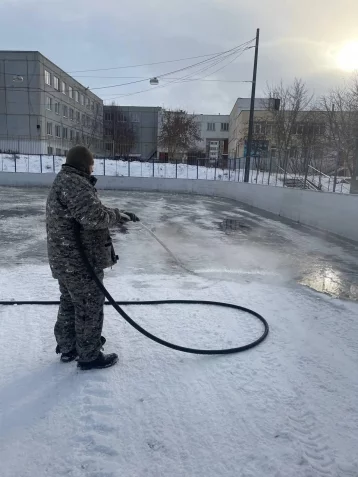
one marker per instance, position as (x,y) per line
(73,204)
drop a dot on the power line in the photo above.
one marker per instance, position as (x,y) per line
(155,63)
(183,79)
(228,53)
(212,55)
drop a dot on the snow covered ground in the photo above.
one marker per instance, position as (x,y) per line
(109,167)
(286,408)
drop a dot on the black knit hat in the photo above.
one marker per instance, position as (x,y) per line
(81,158)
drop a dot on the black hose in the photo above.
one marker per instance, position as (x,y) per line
(116,306)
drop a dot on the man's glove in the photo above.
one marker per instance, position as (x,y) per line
(122,217)
(131,216)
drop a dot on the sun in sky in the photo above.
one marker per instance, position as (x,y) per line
(347,57)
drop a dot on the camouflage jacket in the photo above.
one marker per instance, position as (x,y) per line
(73,202)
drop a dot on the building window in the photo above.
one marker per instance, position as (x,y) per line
(49,129)
(49,150)
(63,87)
(77,137)
(224,126)
(78,117)
(58,151)
(58,131)
(108,116)
(71,113)
(269,129)
(64,133)
(108,132)
(82,99)
(211,127)
(47,77)
(57,107)
(77,96)
(65,111)
(83,119)
(109,146)
(49,103)
(92,106)
(56,83)
(70,92)
(88,103)
(72,134)
(134,117)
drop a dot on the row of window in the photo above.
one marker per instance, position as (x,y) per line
(71,114)
(122,117)
(267,129)
(62,132)
(60,85)
(212,127)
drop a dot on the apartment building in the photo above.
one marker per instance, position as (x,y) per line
(44,110)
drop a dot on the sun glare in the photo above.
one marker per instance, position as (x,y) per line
(347,57)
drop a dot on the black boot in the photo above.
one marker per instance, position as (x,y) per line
(72,355)
(102,361)
(67,357)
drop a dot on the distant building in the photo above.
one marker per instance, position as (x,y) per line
(131,131)
(44,110)
(214,130)
(213,146)
(238,124)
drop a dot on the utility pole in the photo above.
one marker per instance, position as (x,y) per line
(252,109)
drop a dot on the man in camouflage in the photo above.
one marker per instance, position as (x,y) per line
(72,205)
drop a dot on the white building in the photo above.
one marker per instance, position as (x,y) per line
(214,133)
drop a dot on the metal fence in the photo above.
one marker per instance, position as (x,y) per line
(264,171)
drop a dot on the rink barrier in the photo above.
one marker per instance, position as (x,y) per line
(334,213)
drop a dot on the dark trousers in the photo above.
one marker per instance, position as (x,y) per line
(80,316)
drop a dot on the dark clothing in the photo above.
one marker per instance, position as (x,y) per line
(73,200)
(72,203)
(80,317)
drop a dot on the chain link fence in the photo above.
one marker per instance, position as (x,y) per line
(263,171)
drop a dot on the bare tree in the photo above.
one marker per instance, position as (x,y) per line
(340,109)
(120,131)
(178,133)
(289,120)
(124,135)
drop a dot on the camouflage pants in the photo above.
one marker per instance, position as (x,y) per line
(80,316)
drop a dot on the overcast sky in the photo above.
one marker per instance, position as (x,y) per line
(298,38)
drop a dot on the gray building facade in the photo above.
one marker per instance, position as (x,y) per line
(131,131)
(44,110)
